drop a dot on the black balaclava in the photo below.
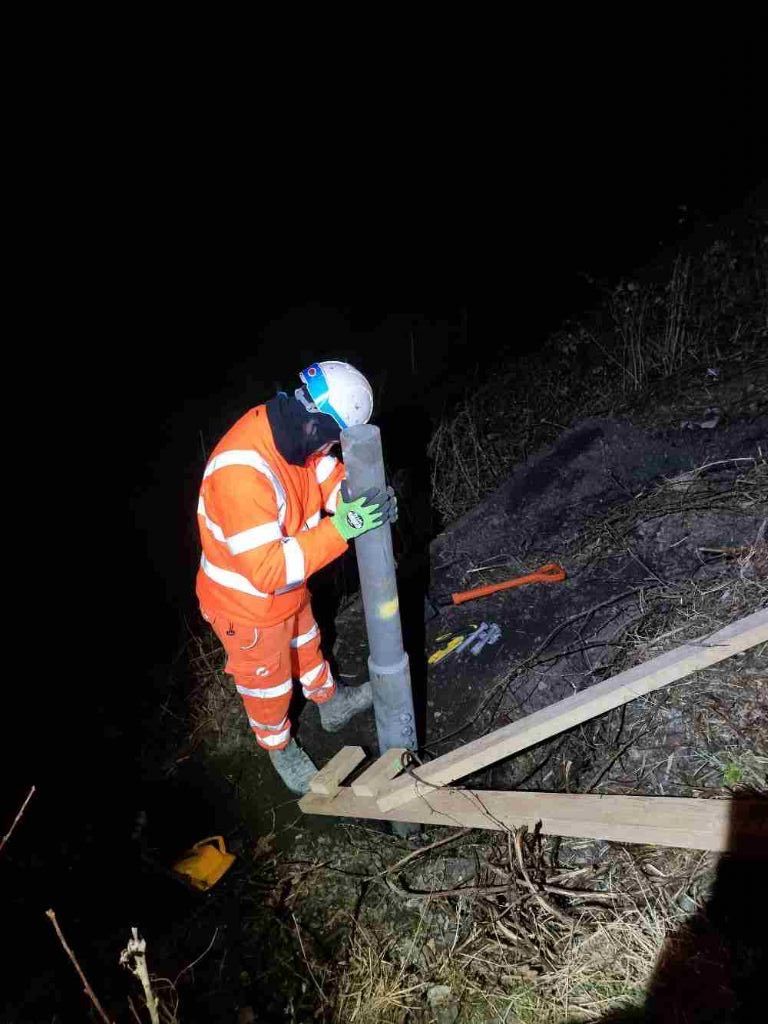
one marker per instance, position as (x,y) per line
(299,433)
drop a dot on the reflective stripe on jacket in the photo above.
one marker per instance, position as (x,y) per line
(260,524)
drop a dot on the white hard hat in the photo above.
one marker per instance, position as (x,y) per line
(339,390)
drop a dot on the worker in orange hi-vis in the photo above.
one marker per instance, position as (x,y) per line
(273,509)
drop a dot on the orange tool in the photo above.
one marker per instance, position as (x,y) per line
(551,573)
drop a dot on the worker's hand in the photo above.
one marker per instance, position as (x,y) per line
(386,500)
(356,516)
(388,508)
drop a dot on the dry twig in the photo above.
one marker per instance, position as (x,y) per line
(417,853)
(134,957)
(16,820)
(306,961)
(88,990)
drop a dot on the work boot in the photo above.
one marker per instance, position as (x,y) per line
(344,705)
(294,767)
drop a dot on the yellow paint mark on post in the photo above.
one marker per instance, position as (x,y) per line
(389,609)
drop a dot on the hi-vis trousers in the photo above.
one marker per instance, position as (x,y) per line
(263,662)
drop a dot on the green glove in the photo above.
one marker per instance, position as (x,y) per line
(356,516)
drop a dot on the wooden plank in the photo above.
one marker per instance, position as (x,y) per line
(328,779)
(380,772)
(664,821)
(565,714)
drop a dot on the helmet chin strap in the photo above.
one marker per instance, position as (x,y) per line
(302,395)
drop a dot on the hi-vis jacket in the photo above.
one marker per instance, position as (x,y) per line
(260,525)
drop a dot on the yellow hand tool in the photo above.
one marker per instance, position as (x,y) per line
(454,640)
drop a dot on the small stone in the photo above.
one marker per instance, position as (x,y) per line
(443,1004)
(685,903)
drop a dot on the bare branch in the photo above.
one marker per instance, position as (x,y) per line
(16,820)
(88,990)
(134,957)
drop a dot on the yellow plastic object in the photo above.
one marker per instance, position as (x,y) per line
(443,652)
(205,863)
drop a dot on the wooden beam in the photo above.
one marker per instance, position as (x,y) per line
(328,779)
(664,821)
(380,772)
(565,714)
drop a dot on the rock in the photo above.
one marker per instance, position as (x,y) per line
(685,903)
(443,1004)
(711,418)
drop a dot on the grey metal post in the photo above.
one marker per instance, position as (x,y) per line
(388,663)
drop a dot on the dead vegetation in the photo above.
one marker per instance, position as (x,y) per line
(708,736)
(215,711)
(657,345)
(510,928)
(738,486)
(159,997)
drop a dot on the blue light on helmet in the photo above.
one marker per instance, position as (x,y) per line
(316,384)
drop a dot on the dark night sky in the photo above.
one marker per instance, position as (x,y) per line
(503,210)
